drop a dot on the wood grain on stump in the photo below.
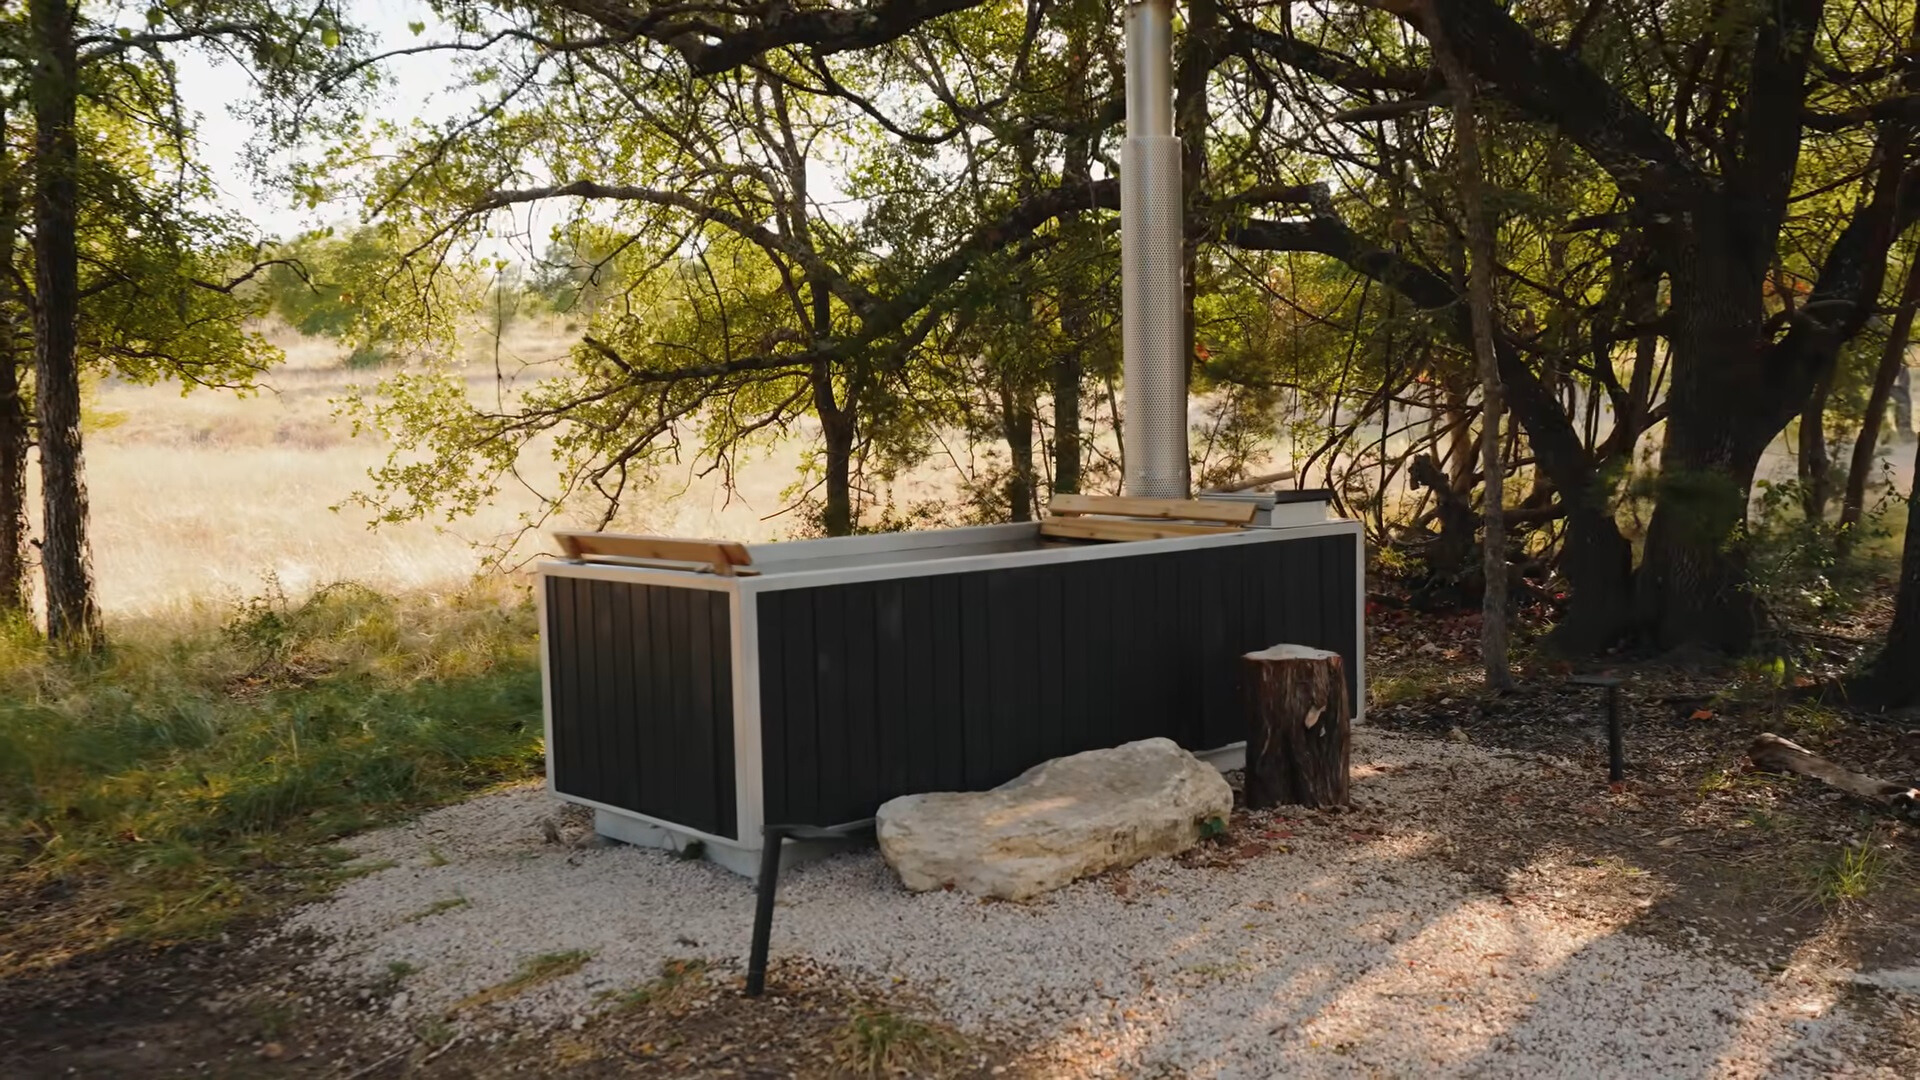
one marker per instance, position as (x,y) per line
(1299,727)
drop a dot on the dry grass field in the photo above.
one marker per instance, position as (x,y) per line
(197,500)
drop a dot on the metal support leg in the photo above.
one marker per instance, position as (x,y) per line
(1616,748)
(773,839)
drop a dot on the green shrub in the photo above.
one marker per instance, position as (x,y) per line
(159,782)
(1797,566)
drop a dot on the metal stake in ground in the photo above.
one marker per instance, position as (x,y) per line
(1616,739)
(1299,727)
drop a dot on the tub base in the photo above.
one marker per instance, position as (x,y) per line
(740,859)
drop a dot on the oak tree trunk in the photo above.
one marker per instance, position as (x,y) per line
(1299,727)
(73,618)
(836,434)
(1016,418)
(1815,464)
(1893,361)
(16,425)
(1481,255)
(1691,586)
(1067,369)
(1893,679)
(1191,119)
(1076,319)
(837,427)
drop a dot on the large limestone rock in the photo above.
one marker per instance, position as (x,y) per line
(1060,820)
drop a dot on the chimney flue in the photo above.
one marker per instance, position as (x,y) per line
(1152,322)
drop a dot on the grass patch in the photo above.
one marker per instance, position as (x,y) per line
(436,908)
(273,1017)
(877,1042)
(1815,720)
(1716,781)
(1399,689)
(536,970)
(676,977)
(1848,876)
(198,771)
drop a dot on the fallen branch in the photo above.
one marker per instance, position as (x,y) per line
(1775,754)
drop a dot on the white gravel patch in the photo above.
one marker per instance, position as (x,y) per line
(1348,954)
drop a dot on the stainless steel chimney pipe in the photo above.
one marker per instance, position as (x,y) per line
(1152,324)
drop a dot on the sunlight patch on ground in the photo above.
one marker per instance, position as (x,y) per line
(1341,951)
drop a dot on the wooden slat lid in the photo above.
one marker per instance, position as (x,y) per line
(1236,512)
(719,556)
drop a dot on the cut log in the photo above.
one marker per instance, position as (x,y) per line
(1299,727)
(1775,754)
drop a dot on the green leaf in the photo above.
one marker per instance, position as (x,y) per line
(155,16)
(330,37)
(418,28)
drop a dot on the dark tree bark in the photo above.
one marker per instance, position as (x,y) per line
(710,46)
(1596,559)
(1893,360)
(1815,464)
(839,424)
(837,407)
(1076,314)
(73,617)
(1191,117)
(1447,556)
(1481,254)
(1893,679)
(1016,417)
(1734,385)
(16,426)
(1068,374)
(1299,727)
(836,435)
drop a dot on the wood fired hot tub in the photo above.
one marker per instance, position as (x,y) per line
(840,673)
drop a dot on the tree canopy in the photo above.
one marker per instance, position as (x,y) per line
(893,219)
(875,225)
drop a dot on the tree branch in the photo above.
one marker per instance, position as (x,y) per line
(711,37)
(1560,89)
(849,293)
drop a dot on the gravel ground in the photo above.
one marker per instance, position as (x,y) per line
(1327,945)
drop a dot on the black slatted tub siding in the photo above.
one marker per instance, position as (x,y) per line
(641,680)
(961,681)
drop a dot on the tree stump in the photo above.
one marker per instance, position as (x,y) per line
(1299,727)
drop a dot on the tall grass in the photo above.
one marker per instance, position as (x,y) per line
(200,769)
